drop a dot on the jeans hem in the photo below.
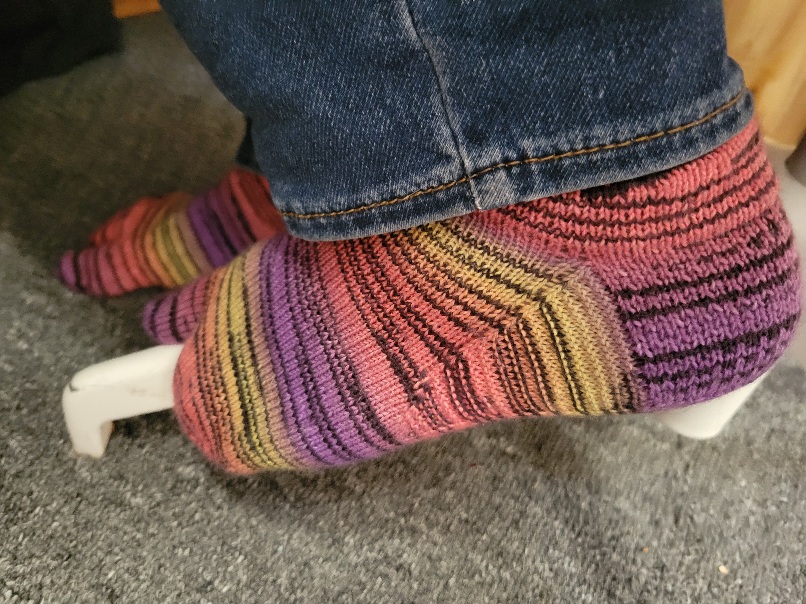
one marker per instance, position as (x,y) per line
(530,178)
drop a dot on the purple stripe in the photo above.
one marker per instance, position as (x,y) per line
(300,351)
(68,269)
(201,218)
(744,364)
(280,342)
(701,326)
(747,284)
(333,389)
(222,204)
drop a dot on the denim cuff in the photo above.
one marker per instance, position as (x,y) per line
(529,178)
(394,113)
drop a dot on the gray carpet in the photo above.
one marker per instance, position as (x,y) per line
(613,510)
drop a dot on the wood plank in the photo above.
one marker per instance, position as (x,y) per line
(131,8)
(767,39)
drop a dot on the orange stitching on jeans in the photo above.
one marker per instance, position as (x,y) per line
(520,162)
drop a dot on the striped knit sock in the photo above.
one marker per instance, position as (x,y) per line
(169,241)
(651,294)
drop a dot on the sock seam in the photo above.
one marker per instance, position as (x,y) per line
(449,115)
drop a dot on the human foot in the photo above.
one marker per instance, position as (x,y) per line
(172,240)
(640,296)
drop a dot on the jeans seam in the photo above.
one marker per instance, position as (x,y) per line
(468,178)
(443,97)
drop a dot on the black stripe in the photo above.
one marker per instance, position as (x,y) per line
(203,369)
(561,346)
(245,401)
(616,222)
(313,398)
(172,319)
(292,423)
(722,365)
(589,238)
(407,314)
(613,192)
(341,369)
(434,262)
(402,365)
(506,369)
(241,218)
(756,263)
(466,239)
(219,227)
(748,337)
(447,354)
(543,210)
(733,295)
(250,337)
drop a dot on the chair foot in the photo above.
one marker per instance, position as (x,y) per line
(127,386)
(706,420)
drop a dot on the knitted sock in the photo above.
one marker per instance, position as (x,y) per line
(169,241)
(655,293)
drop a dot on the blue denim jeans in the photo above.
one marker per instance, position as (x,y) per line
(375,115)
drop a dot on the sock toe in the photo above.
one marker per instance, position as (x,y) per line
(67,271)
(171,240)
(103,270)
(88,272)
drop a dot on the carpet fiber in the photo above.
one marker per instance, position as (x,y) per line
(609,510)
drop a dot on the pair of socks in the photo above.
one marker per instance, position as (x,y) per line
(650,294)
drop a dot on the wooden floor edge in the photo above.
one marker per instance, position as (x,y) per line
(132,8)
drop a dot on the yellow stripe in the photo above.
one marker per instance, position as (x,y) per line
(183,256)
(583,374)
(247,376)
(155,252)
(223,352)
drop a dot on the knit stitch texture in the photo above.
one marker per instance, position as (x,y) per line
(651,294)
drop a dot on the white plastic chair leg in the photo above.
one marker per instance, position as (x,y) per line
(134,384)
(706,420)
